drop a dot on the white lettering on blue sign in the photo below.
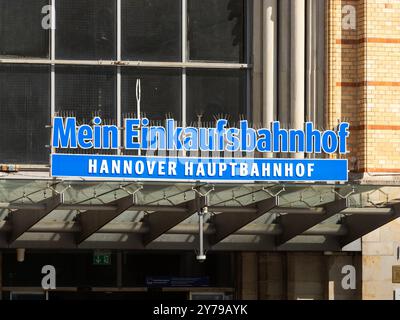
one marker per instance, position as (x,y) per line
(139,135)
(198,169)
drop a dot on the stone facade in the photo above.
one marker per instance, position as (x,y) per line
(362,56)
(379,251)
(298,276)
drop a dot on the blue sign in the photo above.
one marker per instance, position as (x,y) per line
(197,169)
(140,135)
(159,282)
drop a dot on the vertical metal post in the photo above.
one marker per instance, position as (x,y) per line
(248,57)
(119,80)
(201,233)
(52,67)
(138,106)
(184,59)
(201,256)
(119,28)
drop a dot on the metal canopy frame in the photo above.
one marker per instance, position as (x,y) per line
(359,226)
(296,224)
(91,221)
(160,222)
(91,215)
(24,219)
(228,223)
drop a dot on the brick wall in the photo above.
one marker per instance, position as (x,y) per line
(363,81)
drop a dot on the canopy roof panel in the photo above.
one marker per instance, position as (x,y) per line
(114,215)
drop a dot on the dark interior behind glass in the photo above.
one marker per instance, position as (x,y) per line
(21,32)
(216,30)
(151,30)
(215,94)
(25,112)
(160,93)
(86,29)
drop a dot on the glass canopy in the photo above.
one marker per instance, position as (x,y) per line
(44,213)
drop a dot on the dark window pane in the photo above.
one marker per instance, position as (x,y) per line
(216,30)
(151,30)
(85,92)
(86,29)
(25,111)
(160,93)
(21,32)
(214,94)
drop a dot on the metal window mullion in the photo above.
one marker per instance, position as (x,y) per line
(53,56)
(130,64)
(119,108)
(119,30)
(119,80)
(52,66)
(184,60)
(248,32)
(248,57)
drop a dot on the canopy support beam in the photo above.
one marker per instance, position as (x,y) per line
(296,224)
(92,221)
(24,219)
(359,226)
(228,223)
(160,222)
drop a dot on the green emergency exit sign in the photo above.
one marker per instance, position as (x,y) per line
(102,259)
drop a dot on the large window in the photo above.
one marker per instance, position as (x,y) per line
(189,57)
